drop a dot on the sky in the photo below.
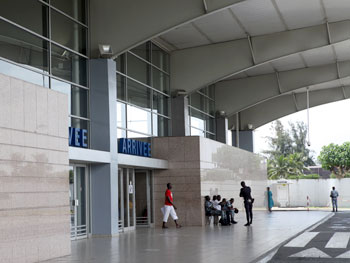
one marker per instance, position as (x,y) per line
(329,123)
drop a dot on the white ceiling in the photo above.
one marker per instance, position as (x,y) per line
(260,17)
(257,17)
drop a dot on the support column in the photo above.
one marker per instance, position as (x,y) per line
(221,128)
(245,140)
(104,177)
(179,116)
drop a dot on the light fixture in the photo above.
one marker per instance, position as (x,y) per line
(250,126)
(105,50)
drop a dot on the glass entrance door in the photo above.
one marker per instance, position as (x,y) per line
(126,200)
(78,185)
(143,197)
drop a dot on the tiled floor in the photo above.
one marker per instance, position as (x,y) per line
(235,243)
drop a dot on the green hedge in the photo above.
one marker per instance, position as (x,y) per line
(305,176)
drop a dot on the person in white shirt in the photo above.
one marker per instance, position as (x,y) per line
(217,209)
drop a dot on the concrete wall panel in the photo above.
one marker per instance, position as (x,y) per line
(34,190)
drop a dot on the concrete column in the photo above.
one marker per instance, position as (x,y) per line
(104,177)
(221,129)
(179,116)
(245,140)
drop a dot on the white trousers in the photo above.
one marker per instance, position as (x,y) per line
(166,210)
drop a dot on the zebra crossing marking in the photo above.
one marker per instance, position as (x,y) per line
(310,253)
(302,240)
(344,255)
(339,240)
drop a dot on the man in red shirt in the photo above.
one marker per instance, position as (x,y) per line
(169,207)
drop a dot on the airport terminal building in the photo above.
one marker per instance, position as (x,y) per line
(103,103)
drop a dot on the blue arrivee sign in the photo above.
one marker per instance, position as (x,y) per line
(134,147)
(78,137)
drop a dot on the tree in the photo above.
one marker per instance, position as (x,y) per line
(299,134)
(289,141)
(336,158)
(286,166)
(281,143)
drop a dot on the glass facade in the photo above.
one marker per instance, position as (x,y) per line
(143,92)
(48,45)
(202,113)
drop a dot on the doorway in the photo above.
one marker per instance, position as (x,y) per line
(78,197)
(135,198)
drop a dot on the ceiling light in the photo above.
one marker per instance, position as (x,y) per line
(105,50)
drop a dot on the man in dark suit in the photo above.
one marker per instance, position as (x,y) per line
(248,202)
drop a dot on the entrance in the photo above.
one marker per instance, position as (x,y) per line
(134,200)
(78,196)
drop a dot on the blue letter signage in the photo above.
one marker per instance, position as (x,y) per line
(134,147)
(78,137)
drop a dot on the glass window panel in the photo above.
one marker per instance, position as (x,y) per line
(121,66)
(138,94)
(204,91)
(64,88)
(161,126)
(121,133)
(198,119)
(142,51)
(211,107)
(160,103)
(202,103)
(155,125)
(210,136)
(29,13)
(68,66)
(136,135)
(121,87)
(137,69)
(22,47)
(211,92)
(79,102)
(197,101)
(13,70)
(77,97)
(210,124)
(75,8)
(121,114)
(160,80)
(160,58)
(138,120)
(68,33)
(196,132)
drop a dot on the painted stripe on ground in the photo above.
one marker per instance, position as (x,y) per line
(310,253)
(344,255)
(302,240)
(339,240)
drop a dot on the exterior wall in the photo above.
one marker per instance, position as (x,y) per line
(182,154)
(317,190)
(34,199)
(199,167)
(223,167)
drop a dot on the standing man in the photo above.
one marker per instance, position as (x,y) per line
(334,195)
(169,207)
(248,202)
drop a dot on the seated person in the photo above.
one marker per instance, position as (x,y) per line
(217,209)
(224,213)
(232,211)
(208,208)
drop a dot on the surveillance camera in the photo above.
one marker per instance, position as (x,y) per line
(308,144)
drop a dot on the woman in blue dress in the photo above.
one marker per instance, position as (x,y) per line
(269,199)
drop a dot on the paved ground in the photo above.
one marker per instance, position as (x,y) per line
(328,242)
(235,243)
